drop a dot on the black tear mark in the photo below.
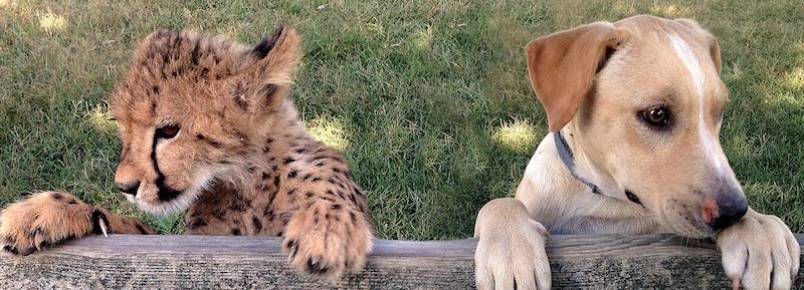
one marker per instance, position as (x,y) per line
(165,193)
(264,47)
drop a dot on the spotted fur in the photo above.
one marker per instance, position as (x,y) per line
(206,126)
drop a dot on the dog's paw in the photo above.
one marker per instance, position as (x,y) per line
(328,240)
(759,252)
(510,251)
(45,218)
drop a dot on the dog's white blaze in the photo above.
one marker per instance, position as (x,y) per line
(687,56)
(709,141)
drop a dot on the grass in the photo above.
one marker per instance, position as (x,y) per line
(428,99)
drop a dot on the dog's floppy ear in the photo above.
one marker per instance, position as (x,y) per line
(714,50)
(562,66)
(714,46)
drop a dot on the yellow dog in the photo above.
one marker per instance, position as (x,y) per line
(634,110)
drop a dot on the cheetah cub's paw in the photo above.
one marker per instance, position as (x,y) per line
(45,218)
(328,240)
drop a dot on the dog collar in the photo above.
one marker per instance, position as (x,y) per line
(565,153)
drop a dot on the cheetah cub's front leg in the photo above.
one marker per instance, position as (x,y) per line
(51,217)
(329,231)
(328,239)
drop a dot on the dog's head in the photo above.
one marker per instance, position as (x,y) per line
(641,103)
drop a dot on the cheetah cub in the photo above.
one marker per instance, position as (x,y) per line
(206,126)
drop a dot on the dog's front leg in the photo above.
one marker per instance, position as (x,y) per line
(759,252)
(510,251)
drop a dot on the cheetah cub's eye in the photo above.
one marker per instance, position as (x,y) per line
(167,131)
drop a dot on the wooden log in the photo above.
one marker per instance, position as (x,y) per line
(124,261)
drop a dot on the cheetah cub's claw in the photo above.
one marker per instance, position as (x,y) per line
(45,218)
(327,241)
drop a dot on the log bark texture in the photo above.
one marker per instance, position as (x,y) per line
(123,261)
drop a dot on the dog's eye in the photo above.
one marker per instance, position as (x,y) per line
(167,131)
(657,117)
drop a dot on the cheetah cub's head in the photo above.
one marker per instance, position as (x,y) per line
(192,108)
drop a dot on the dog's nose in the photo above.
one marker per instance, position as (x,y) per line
(129,188)
(726,211)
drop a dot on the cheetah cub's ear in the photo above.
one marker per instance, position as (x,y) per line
(267,73)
